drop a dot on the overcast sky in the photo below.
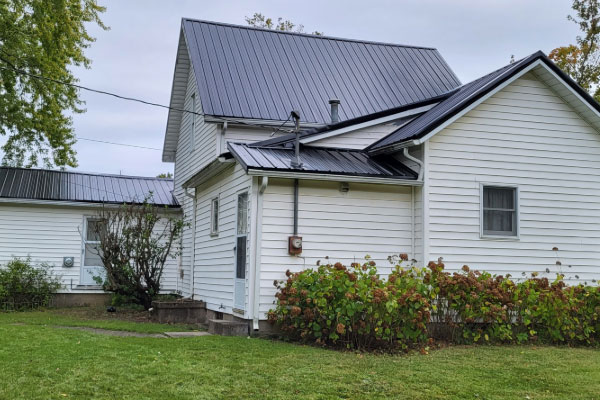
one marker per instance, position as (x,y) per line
(136,57)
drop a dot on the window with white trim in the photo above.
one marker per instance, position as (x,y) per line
(499,215)
(214,216)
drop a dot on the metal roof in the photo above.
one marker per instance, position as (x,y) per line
(245,72)
(321,161)
(465,95)
(40,184)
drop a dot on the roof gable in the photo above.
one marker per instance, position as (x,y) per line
(245,72)
(471,94)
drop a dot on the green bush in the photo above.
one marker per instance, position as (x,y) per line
(23,286)
(356,308)
(353,307)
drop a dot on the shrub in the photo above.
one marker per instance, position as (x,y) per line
(354,307)
(135,242)
(24,286)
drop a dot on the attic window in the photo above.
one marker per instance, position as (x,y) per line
(193,123)
(214,216)
(499,211)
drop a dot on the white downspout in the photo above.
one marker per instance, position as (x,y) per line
(193,253)
(417,161)
(258,234)
(412,221)
(420,178)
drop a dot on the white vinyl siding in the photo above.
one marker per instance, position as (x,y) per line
(187,163)
(215,255)
(368,219)
(49,233)
(524,136)
(358,139)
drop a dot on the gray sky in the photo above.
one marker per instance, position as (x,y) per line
(136,56)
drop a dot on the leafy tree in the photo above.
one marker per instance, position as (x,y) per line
(258,20)
(168,175)
(581,61)
(135,242)
(44,38)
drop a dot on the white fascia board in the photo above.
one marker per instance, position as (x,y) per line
(333,177)
(492,92)
(253,122)
(573,91)
(366,124)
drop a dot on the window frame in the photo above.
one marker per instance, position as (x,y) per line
(490,235)
(193,123)
(214,216)
(86,241)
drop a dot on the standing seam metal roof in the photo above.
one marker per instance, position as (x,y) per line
(39,184)
(321,160)
(246,72)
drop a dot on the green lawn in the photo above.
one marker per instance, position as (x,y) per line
(92,317)
(39,361)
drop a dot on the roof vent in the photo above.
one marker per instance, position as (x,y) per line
(335,117)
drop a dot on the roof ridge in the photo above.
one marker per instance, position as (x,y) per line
(308,34)
(89,173)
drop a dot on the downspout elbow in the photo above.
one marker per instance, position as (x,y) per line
(417,161)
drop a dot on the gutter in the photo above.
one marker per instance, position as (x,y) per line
(193,254)
(333,177)
(257,254)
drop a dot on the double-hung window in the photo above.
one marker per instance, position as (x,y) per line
(499,211)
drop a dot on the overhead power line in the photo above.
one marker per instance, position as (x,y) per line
(12,67)
(118,96)
(118,144)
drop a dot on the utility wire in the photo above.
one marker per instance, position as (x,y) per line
(118,144)
(12,67)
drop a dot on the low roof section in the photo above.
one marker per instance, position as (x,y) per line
(319,161)
(68,186)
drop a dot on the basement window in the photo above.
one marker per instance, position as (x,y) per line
(214,216)
(499,211)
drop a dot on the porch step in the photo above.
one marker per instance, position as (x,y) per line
(227,328)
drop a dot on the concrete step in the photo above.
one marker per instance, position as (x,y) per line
(227,328)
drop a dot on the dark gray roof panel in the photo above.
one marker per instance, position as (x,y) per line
(246,72)
(39,184)
(456,101)
(321,160)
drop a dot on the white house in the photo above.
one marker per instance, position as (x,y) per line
(395,155)
(48,216)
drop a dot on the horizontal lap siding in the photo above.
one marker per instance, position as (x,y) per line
(47,234)
(369,219)
(215,257)
(189,161)
(358,139)
(524,135)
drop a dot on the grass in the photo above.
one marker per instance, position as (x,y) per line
(39,361)
(92,317)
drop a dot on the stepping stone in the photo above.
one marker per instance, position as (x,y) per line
(185,334)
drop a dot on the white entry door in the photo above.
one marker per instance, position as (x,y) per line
(91,263)
(241,246)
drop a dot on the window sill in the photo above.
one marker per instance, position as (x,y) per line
(88,287)
(500,237)
(214,234)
